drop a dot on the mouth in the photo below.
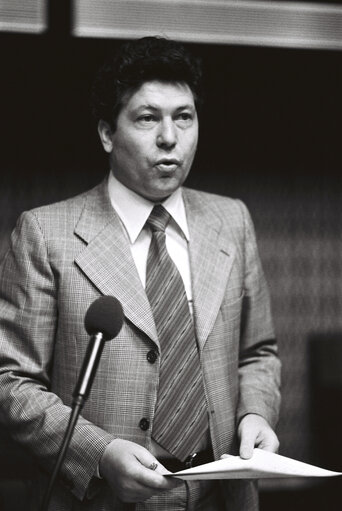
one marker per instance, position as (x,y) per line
(167,165)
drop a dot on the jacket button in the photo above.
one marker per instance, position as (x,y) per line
(151,356)
(144,424)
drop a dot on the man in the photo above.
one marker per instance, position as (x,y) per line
(181,377)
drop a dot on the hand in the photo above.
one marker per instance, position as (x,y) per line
(125,466)
(254,431)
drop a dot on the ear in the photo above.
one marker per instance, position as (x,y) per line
(106,135)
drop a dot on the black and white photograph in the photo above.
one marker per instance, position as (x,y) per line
(171,255)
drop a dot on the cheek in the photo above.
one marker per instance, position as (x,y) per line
(138,151)
(191,150)
(126,154)
(191,143)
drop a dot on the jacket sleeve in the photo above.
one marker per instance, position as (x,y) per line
(259,365)
(34,416)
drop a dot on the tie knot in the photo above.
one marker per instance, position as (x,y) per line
(158,219)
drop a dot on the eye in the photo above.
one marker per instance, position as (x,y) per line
(146,119)
(184,119)
(185,116)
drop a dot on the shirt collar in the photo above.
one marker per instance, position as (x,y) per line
(134,210)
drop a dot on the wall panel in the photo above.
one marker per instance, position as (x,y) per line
(285,24)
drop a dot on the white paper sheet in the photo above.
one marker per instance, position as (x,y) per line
(262,465)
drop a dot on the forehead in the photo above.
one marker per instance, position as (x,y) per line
(161,95)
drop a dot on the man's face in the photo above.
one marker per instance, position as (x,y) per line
(154,144)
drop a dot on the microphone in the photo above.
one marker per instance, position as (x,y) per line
(103,321)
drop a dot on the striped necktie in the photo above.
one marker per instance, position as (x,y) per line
(181,418)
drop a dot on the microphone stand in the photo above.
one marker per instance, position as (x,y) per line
(80,395)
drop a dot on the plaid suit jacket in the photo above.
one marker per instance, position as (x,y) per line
(65,255)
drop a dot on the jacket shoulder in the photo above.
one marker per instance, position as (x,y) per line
(74,203)
(217,204)
(65,213)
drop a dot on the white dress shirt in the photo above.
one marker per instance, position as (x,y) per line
(134,210)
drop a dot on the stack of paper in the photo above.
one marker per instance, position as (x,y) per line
(262,465)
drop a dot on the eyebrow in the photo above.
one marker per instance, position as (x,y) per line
(148,106)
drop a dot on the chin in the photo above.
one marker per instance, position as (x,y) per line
(163,192)
(159,197)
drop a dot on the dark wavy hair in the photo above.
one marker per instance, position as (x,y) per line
(139,61)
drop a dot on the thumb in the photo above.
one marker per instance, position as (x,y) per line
(247,445)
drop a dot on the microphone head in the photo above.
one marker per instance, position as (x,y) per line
(104,315)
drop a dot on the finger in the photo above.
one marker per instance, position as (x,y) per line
(247,444)
(269,442)
(151,473)
(153,466)
(140,486)
(159,468)
(173,481)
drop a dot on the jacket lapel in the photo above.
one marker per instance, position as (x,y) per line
(107,261)
(211,258)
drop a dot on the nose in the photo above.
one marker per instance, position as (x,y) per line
(167,134)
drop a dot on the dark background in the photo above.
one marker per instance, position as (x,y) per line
(270,134)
